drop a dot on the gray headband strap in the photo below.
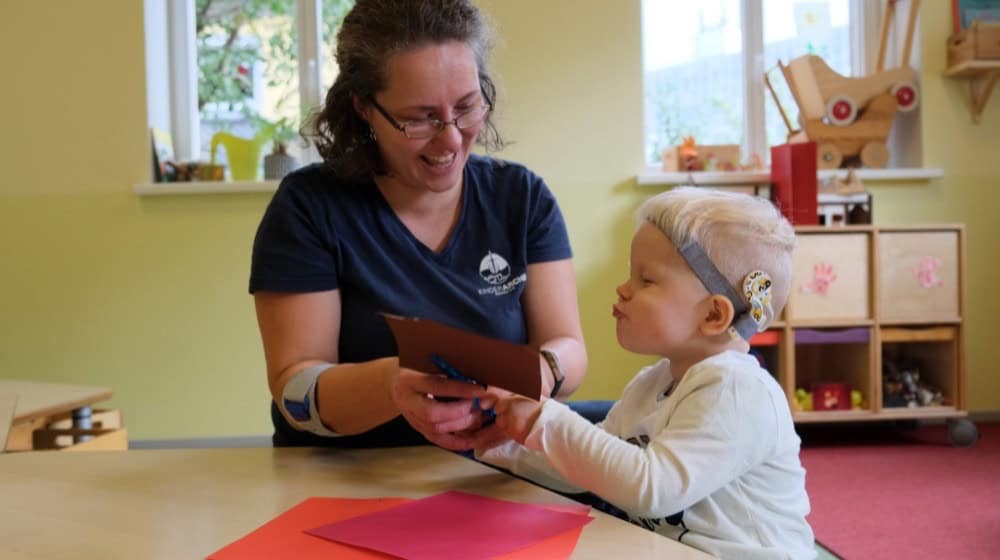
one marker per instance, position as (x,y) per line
(716,283)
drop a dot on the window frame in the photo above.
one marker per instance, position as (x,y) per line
(182,53)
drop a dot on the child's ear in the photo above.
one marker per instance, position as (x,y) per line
(718,317)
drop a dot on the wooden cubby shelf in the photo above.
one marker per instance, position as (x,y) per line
(865,299)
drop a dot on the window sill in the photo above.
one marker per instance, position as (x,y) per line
(653,176)
(205,187)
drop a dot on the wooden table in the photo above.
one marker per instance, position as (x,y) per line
(38,403)
(188,503)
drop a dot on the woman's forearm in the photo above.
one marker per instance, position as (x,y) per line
(572,356)
(354,398)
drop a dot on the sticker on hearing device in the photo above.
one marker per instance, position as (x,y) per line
(757,290)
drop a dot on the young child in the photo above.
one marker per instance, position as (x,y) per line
(701,446)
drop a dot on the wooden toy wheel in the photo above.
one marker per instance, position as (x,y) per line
(828,156)
(875,154)
(907,96)
(841,110)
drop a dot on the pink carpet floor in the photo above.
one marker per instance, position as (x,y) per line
(885,493)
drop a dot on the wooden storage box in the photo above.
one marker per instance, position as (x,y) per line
(979,41)
(918,276)
(831,278)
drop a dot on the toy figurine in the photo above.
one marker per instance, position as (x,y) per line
(857,400)
(690,159)
(902,386)
(803,400)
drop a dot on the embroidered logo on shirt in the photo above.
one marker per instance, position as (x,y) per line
(495,270)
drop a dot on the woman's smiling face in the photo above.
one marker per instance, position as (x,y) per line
(440,82)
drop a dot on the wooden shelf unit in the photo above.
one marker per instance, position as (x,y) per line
(982,76)
(864,293)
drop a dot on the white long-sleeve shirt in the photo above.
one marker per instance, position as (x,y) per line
(720,446)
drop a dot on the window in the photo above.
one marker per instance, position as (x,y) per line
(237,66)
(704,64)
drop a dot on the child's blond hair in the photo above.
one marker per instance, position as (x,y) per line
(739,232)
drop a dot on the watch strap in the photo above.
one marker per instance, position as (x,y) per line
(558,377)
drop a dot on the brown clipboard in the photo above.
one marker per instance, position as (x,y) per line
(491,361)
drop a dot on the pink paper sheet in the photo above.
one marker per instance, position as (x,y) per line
(285,536)
(452,524)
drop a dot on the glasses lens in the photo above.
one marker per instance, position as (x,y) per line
(420,129)
(472,118)
(425,129)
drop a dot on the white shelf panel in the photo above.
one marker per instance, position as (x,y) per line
(205,187)
(653,176)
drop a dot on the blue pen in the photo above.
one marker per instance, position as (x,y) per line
(453,373)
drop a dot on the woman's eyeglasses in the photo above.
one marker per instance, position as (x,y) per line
(427,128)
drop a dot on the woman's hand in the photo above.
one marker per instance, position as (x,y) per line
(516,416)
(452,424)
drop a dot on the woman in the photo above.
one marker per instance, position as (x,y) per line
(403,218)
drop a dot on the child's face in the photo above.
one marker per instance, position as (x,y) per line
(658,305)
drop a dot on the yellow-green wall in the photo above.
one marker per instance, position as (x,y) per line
(148,295)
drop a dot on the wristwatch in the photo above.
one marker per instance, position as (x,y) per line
(552,359)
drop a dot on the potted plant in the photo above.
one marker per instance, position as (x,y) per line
(279,162)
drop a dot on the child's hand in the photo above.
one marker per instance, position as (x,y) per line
(516,415)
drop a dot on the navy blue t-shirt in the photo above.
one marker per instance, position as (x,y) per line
(320,233)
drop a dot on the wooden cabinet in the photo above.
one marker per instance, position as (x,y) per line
(866,304)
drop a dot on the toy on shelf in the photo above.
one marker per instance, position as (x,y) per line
(690,159)
(844,201)
(690,156)
(804,402)
(850,117)
(831,396)
(902,387)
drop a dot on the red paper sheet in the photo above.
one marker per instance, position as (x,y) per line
(285,536)
(453,524)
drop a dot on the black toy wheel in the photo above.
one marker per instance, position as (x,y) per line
(962,432)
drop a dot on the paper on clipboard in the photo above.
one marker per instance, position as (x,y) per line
(491,361)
